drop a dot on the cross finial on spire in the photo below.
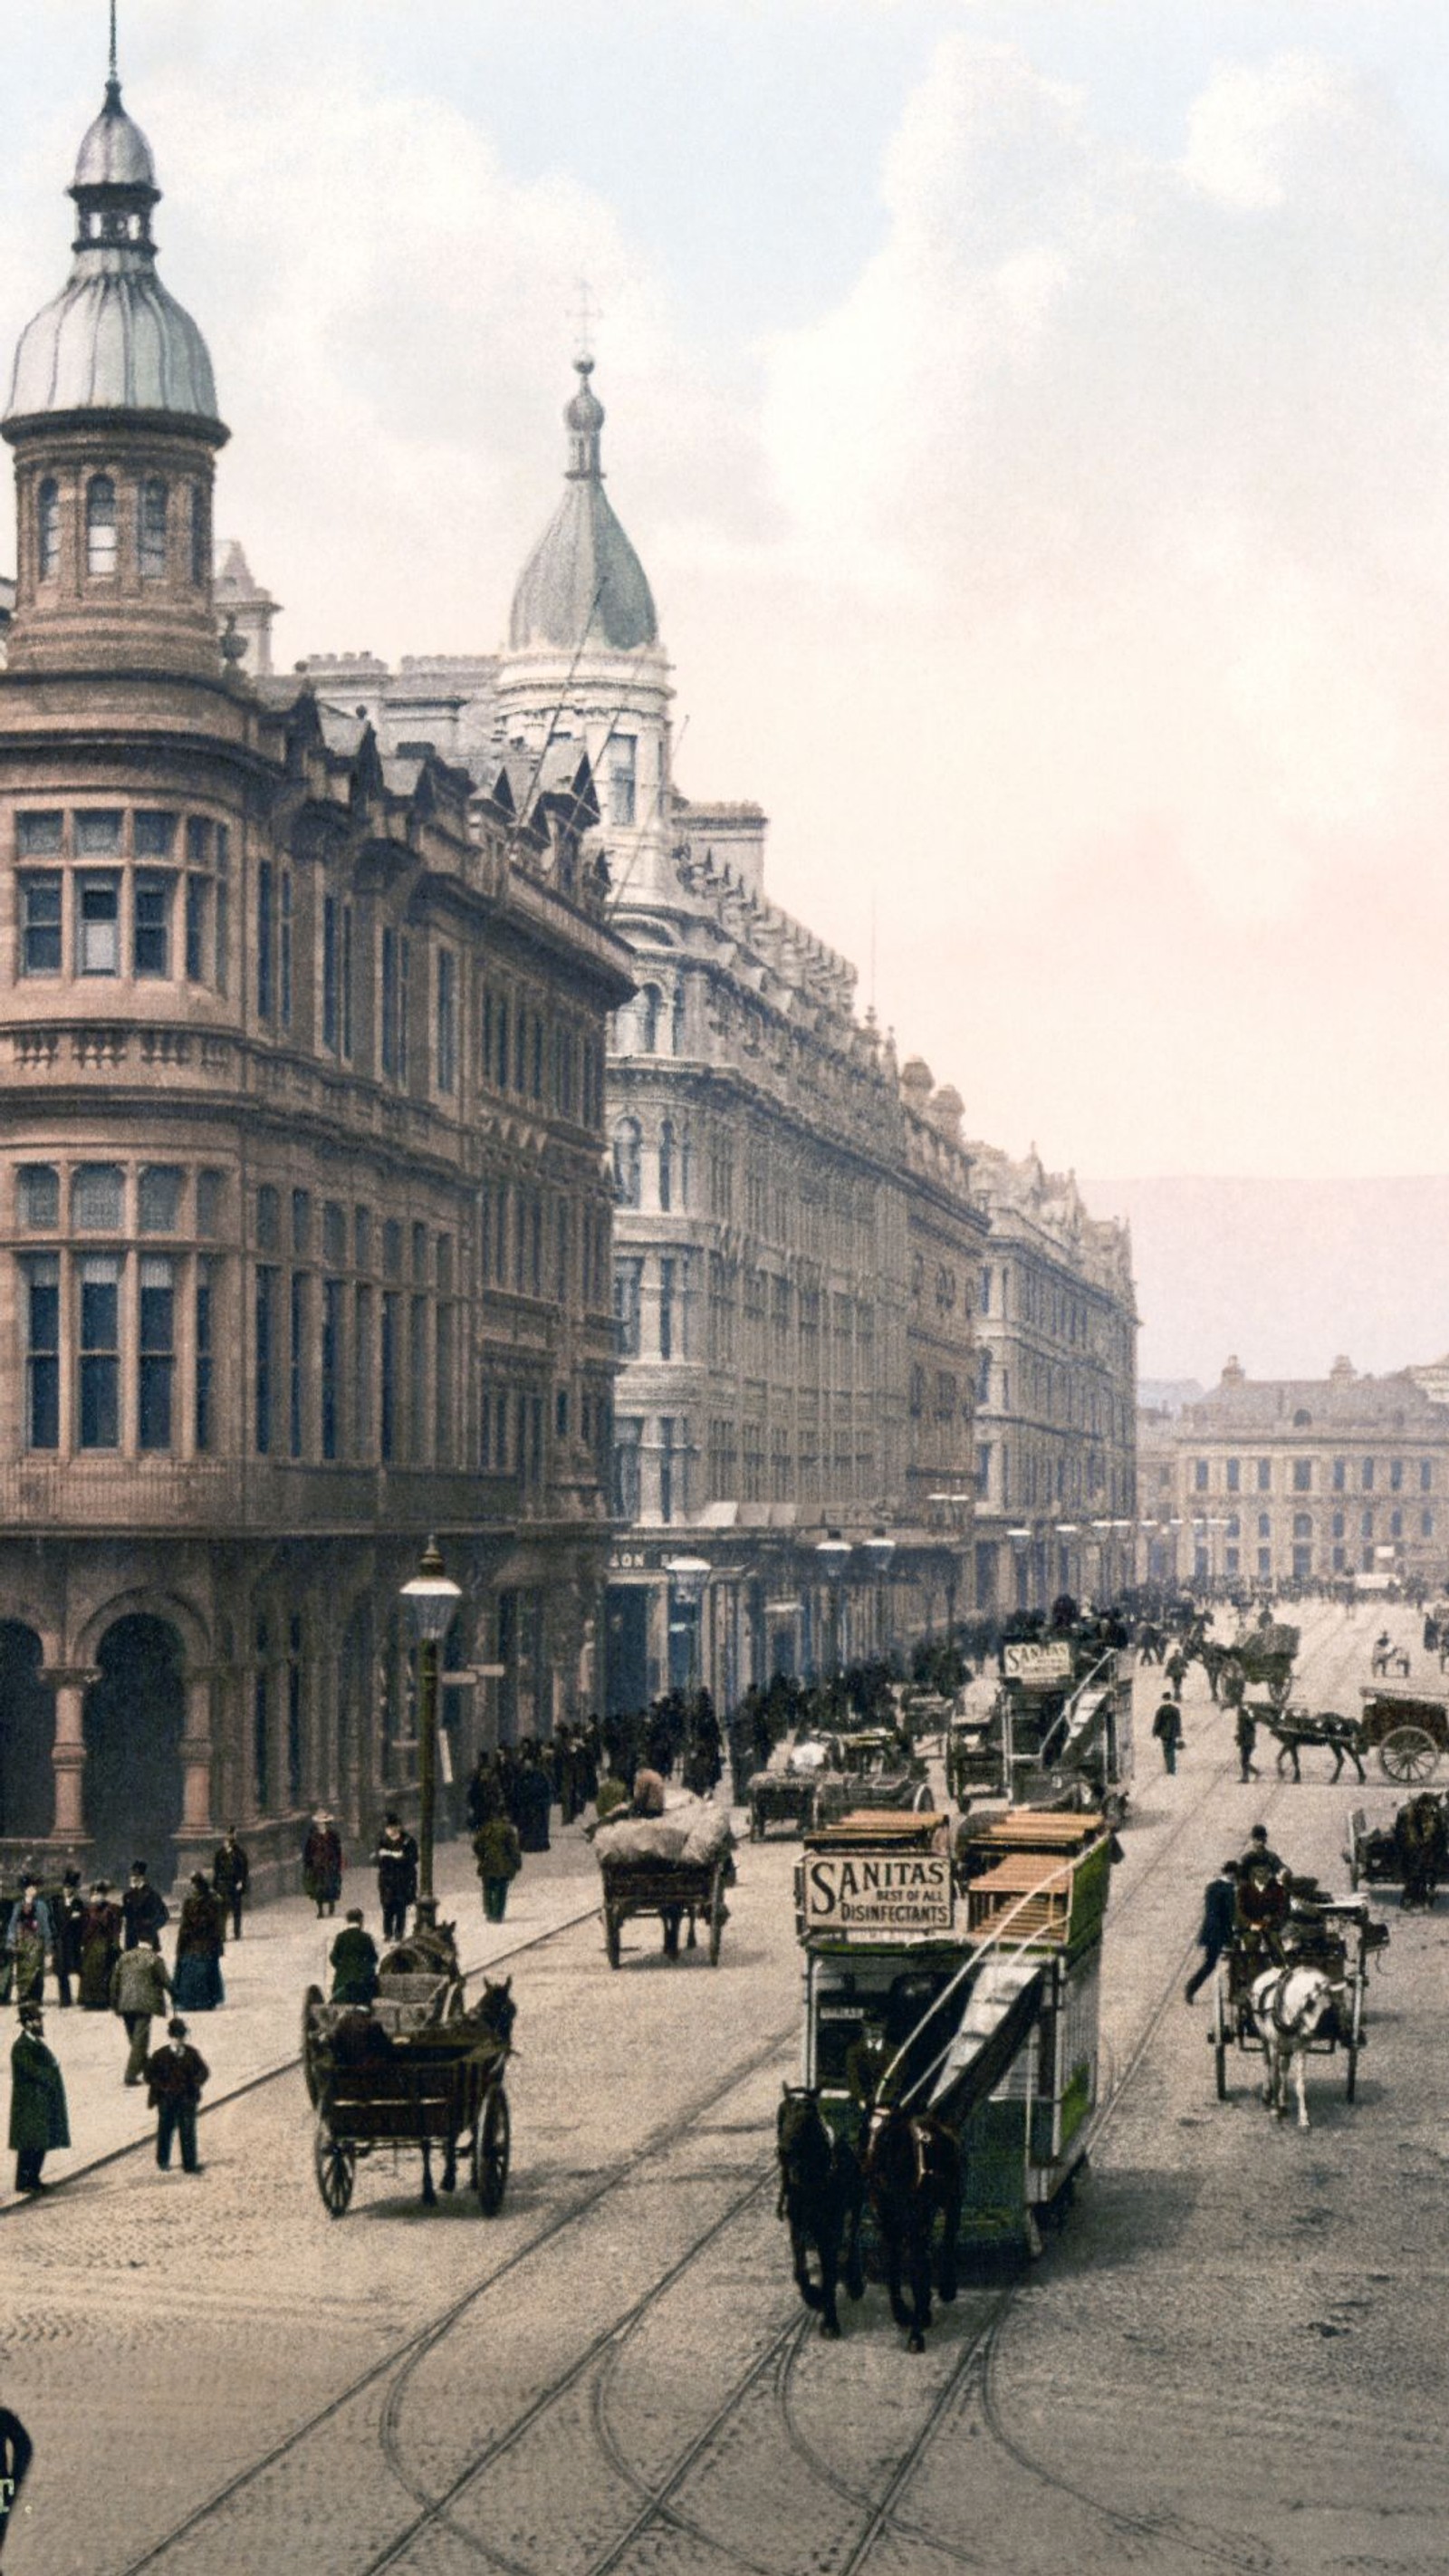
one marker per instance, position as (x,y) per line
(584,316)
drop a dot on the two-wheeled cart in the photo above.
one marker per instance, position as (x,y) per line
(414,2069)
(1334,1934)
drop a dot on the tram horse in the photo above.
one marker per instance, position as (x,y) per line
(909,2169)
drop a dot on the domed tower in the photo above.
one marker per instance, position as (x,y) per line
(112,416)
(584,661)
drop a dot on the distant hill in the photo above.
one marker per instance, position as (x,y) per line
(1286,1274)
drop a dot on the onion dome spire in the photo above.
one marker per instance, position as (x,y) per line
(113,339)
(583,584)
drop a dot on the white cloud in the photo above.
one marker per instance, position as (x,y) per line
(1156,456)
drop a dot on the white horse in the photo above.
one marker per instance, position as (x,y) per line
(1290,2006)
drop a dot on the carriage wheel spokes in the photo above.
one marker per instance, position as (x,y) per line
(311,2003)
(490,2152)
(1409,1753)
(336,2166)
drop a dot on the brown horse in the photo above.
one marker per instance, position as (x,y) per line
(821,2196)
(912,2177)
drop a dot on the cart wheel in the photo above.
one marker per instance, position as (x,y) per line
(611,1935)
(336,2165)
(716,1917)
(310,2001)
(1220,2041)
(490,2152)
(1410,1753)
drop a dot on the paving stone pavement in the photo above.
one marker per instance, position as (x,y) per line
(282,1951)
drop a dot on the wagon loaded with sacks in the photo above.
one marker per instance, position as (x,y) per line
(675,1865)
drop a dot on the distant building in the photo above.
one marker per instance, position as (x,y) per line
(1160,1554)
(1056,1395)
(1299,1479)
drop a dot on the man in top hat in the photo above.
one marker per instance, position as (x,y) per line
(145,1910)
(396,1858)
(175,2076)
(38,2118)
(230,1872)
(66,1916)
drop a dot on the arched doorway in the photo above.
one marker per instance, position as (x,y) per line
(27,1733)
(134,1717)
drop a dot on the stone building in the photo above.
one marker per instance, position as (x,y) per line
(1301,1479)
(1056,1394)
(798,1229)
(795,1234)
(301,1167)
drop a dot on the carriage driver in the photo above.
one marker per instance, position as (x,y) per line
(866,2060)
(1262,1906)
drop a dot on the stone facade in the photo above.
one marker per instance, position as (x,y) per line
(1304,1479)
(301,1179)
(1056,1395)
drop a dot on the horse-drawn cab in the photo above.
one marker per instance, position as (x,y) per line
(1297,1990)
(418,2067)
(964,2024)
(1410,1852)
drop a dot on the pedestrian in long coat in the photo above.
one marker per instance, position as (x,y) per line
(38,2118)
(140,1991)
(1219,1922)
(532,1799)
(29,1940)
(200,1936)
(1245,1732)
(396,1858)
(354,1962)
(144,1907)
(1167,1727)
(322,1863)
(100,1947)
(67,1914)
(175,2076)
(230,1872)
(499,1855)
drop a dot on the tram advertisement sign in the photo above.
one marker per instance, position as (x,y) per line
(1038,1664)
(892,1892)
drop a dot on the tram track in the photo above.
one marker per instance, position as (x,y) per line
(414,2347)
(972,2383)
(973,2373)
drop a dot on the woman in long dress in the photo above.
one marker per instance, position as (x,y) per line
(199,1938)
(100,1946)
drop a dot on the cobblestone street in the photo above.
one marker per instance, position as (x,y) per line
(1230,2356)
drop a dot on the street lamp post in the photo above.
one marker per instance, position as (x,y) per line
(878,1552)
(432,1599)
(688,1576)
(832,1552)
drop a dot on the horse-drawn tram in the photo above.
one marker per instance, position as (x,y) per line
(416,2068)
(1061,1728)
(950,2051)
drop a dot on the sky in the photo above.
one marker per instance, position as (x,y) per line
(1034,421)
